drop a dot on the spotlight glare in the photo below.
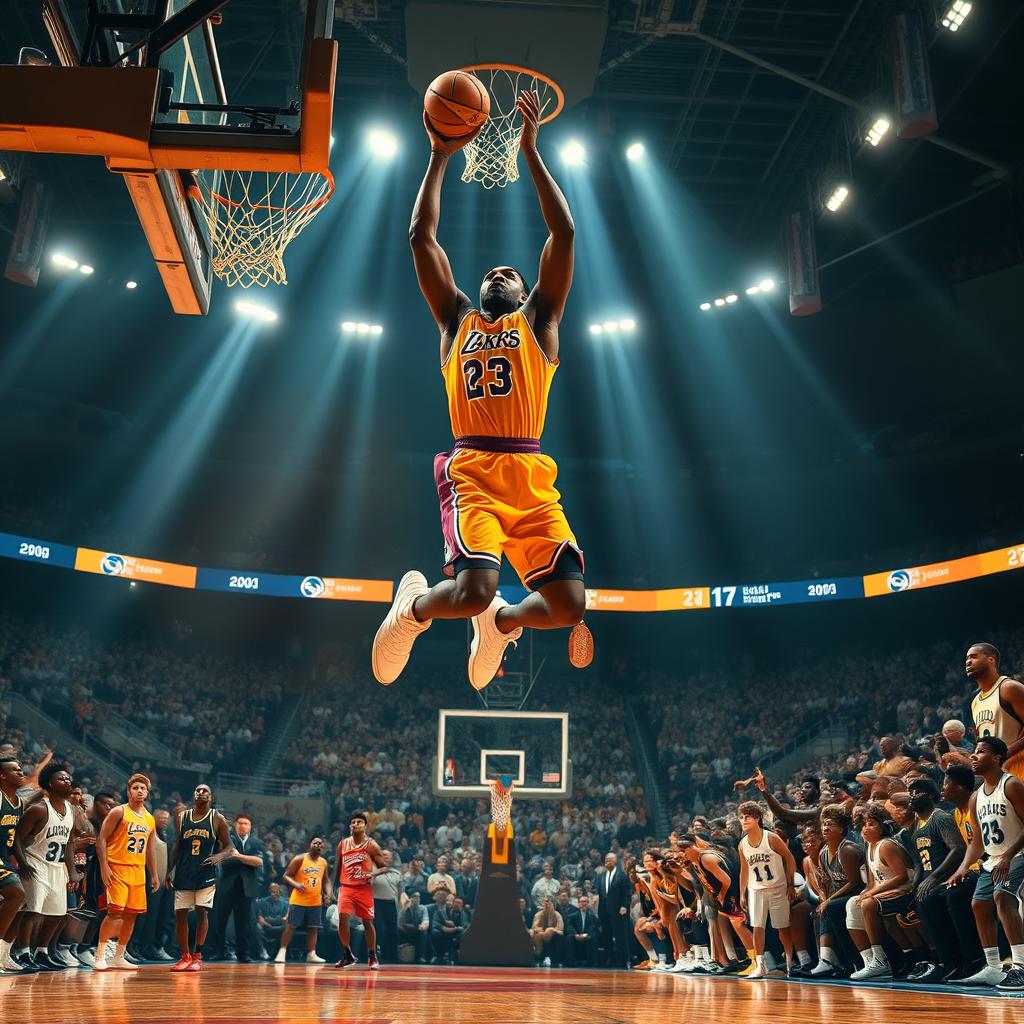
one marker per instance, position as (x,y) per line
(376,329)
(131,285)
(574,153)
(705,306)
(255,311)
(610,327)
(629,324)
(837,198)
(596,329)
(731,298)
(878,130)
(719,302)
(956,14)
(766,285)
(362,328)
(66,262)
(383,143)
(753,289)
(636,151)
(348,326)
(84,268)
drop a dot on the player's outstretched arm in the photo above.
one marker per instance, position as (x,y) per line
(433,271)
(556,261)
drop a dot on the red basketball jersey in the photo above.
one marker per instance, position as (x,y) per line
(356,863)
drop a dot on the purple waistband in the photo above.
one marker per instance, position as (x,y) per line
(505,445)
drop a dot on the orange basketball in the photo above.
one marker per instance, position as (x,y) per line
(456,103)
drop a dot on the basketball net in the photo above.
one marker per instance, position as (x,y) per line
(252,217)
(501,805)
(492,157)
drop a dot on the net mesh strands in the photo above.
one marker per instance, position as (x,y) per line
(252,216)
(492,157)
(501,804)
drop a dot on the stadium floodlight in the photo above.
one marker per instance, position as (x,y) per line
(596,329)
(753,289)
(836,199)
(574,153)
(84,268)
(628,325)
(348,326)
(878,130)
(131,285)
(731,298)
(956,14)
(255,311)
(610,327)
(60,260)
(766,285)
(636,151)
(376,329)
(705,306)
(383,143)
(362,328)
(719,302)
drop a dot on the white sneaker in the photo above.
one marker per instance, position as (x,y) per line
(162,954)
(88,957)
(312,958)
(282,955)
(873,969)
(681,966)
(6,961)
(487,647)
(100,962)
(119,963)
(397,633)
(986,976)
(760,971)
(65,956)
(546,961)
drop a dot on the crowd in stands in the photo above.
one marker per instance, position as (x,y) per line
(372,748)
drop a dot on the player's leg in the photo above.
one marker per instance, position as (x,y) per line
(202,927)
(876,962)
(12,899)
(345,907)
(131,915)
(181,933)
(110,928)
(312,934)
(286,937)
(558,604)
(467,595)
(370,933)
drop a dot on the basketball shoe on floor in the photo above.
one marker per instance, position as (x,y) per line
(876,969)
(312,958)
(282,956)
(487,647)
(393,643)
(182,964)
(195,963)
(347,959)
(986,976)
(373,964)
(122,963)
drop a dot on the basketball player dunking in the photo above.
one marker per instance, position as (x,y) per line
(998,706)
(496,489)
(203,841)
(125,849)
(359,860)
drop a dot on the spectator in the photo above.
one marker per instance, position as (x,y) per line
(546,933)
(413,925)
(450,921)
(271,917)
(440,878)
(546,887)
(613,915)
(467,882)
(387,890)
(581,935)
(237,888)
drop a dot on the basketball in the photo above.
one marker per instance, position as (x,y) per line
(456,103)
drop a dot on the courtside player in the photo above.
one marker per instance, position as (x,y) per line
(496,488)
(997,818)
(203,842)
(354,871)
(12,857)
(124,849)
(766,883)
(305,876)
(998,706)
(44,833)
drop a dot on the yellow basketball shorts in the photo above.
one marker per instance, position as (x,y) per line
(127,892)
(496,503)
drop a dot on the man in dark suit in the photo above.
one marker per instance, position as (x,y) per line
(237,887)
(581,934)
(614,891)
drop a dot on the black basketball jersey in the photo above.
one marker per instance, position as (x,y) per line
(833,867)
(196,842)
(934,838)
(10,815)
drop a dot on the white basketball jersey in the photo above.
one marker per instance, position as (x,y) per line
(46,850)
(992,719)
(765,867)
(999,822)
(879,872)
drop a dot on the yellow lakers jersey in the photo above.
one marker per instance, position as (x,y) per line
(131,837)
(311,875)
(497,378)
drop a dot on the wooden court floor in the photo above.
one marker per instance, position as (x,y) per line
(234,994)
